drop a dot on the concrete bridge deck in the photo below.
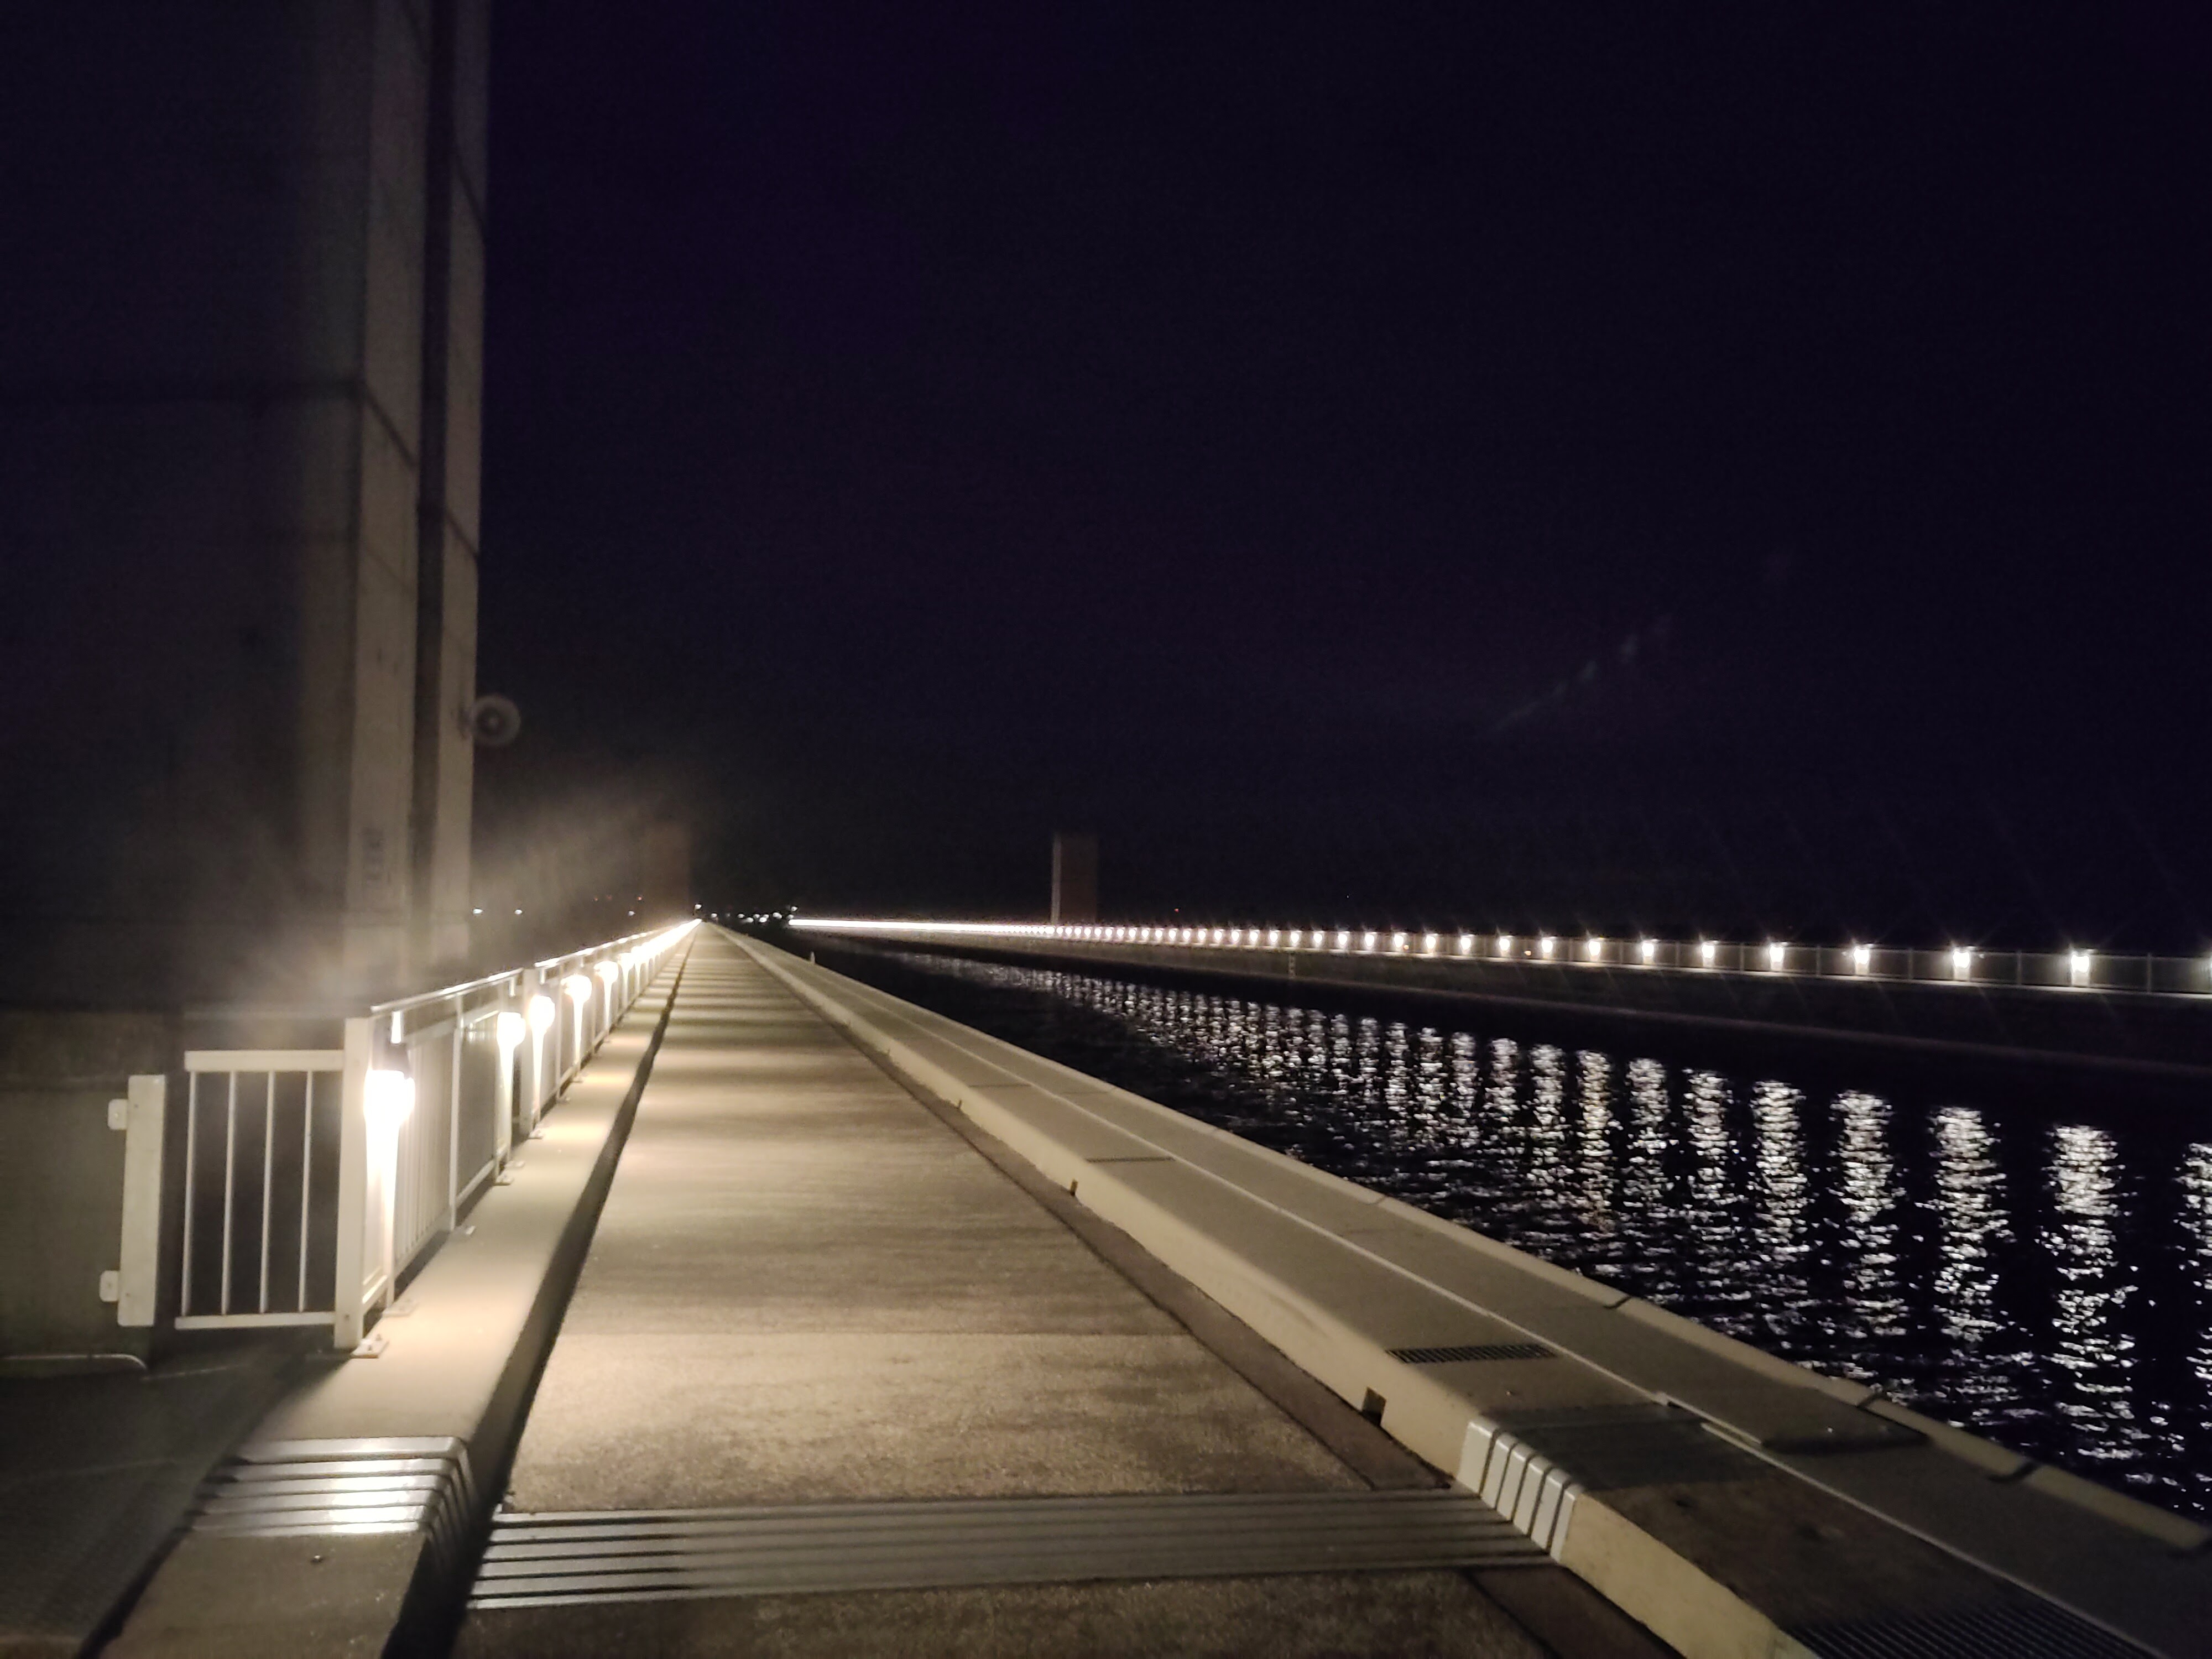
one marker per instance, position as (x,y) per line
(808,1288)
(892,1337)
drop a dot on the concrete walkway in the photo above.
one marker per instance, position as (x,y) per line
(806,1288)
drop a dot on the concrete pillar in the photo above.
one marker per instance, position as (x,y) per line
(238,497)
(1074,879)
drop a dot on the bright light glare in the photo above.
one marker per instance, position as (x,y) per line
(1774,954)
(578,988)
(1367,941)
(1593,949)
(2078,965)
(1862,958)
(608,972)
(1962,962)
(1397,941)
(1505,944)
(1649,950)
(541,1014)
(508,1028)
(1546,945)
(1467,945)
(389,1099)
(1708,952)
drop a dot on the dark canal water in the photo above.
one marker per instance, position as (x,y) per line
(2042,1275)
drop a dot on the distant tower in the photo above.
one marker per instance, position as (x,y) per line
(1074,878)
(667,874)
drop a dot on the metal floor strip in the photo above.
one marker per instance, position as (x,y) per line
(545,1560)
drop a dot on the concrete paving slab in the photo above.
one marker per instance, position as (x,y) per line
(683,1422)
(805,1287)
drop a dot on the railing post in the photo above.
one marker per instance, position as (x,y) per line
(533,987)
(503,1096)
(348,1305)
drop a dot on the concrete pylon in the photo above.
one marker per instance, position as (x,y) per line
(1074,878)
(239,465)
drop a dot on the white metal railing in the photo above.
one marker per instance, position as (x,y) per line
(313,1178)
(2073,970)
(251,1133)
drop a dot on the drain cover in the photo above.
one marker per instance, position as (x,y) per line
(539,1560)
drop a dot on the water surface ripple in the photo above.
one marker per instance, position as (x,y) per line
(2041,1278)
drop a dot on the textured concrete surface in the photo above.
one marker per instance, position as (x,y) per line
(804,1286)
(96,1467)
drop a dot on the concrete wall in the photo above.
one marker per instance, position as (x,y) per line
(220,780)
(60,1208)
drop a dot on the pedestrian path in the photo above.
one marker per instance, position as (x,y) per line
(832,1382)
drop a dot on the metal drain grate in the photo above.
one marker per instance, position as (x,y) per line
(294,1488)
(542,1560)
(1997,1629)
(1466,1351)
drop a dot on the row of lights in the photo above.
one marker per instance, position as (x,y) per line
(2079,963)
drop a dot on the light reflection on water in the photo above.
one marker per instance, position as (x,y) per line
(2046,1283)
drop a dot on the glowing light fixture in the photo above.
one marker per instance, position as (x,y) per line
(541,1014)
(1274,936)
(1429,944)
(1708,952)
(1777,952)
(608,973)
(1593,949)
(1397,941)
(1862,958)
(1505,944)
(1649,950)
(1545,946)
(1467,945)
(578,988)
(387,1102)
(1343,941)
(1367,941)
(2079,964)
(1962,963)
(509,1029)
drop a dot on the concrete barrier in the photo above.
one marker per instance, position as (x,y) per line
(1735,1503)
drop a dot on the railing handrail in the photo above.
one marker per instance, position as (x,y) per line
(507,976)
(427,1115)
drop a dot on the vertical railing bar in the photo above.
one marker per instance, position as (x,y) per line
(229,1186)
(307,1165)
(453,1125)
(191,1128)
(268,1177)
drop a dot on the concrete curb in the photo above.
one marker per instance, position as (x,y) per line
(435,1416)
(1731,1501)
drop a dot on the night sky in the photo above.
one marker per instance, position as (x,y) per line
(1525,466)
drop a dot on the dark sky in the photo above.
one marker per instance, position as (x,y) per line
(1535,465)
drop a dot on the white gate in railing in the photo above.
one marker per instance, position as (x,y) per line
(313,1178)
(261,1183)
